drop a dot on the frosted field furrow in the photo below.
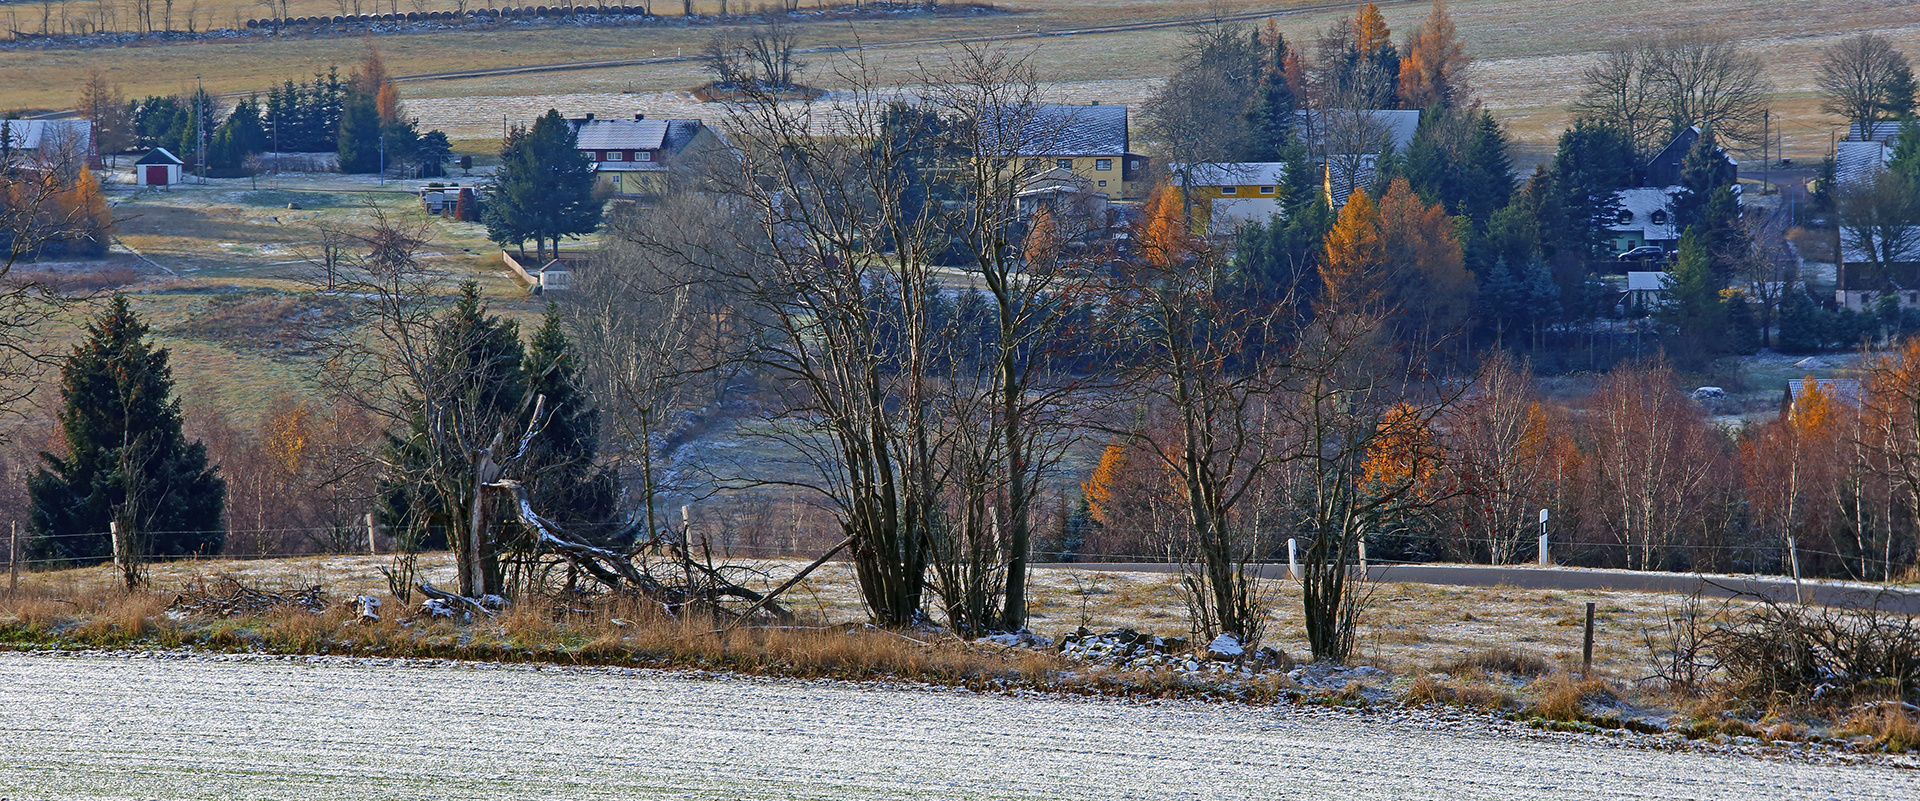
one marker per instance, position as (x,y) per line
(101,727)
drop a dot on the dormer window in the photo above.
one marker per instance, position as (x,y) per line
(616,156)
(644,155)
(1659,217)
(1626,217)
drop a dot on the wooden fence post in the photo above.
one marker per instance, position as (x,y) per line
(119,547)
(1586,649)
(13,561)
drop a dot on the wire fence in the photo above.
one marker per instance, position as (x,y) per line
(31,551)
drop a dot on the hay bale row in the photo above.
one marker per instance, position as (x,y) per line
(525,12)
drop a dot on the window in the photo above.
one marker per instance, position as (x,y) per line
(1103,184)
(616,182)
(1266,190)
(1033,164)
(1065,164)
(1229,190)
(1133,164)
(616,156)
(1103,164)
(644,155)
(1626,217)
(1659,217)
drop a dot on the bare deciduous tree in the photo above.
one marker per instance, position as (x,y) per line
(1654,88)
(1863,79)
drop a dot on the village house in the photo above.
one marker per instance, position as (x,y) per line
(632,157)
(1088,140)
(1226,194)
(1346,143)
(1646,211)
(1075,204)
(51,142)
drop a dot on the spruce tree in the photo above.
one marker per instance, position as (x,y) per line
(568,487)
(359,134)
(544,188)
(127,461)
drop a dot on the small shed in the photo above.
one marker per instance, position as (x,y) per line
(556,275)
(157,168)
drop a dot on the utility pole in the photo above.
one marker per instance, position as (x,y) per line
(200,125)
(1766,142)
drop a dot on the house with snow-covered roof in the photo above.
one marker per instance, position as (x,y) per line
(632,157)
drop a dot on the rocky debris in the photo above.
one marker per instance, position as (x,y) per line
(1132,650)
(435,607)
(225,596)
(1225,648)
(1329,676)
(1018,639)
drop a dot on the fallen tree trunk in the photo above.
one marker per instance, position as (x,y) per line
(703,586)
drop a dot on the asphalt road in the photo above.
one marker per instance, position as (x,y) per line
(1554,578)
(339,730)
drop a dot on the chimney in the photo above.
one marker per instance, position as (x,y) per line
(589,116)
(639,117)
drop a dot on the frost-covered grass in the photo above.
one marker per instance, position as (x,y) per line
(1501,651)
(185,726)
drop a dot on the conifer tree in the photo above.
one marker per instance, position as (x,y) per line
(544,188)
(126,460)
(477,360)
(359,140)
(568,488)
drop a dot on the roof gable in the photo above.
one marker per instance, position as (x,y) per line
(160,155)
(36,134)
(1397,125)
(1063,130)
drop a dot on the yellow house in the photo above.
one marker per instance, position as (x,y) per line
(1226,194)
(1090,141)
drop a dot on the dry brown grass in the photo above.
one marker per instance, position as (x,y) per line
(1563,698)
(1494,662)
(1893,726)
(1431,690)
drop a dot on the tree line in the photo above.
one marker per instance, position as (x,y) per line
(359,117)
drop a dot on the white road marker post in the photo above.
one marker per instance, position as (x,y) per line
(372,547)
(1293,557)
(1545,560)
(1363,557)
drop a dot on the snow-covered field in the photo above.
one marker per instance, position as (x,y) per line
(337,729)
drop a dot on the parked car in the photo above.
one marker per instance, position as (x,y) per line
(1644,252)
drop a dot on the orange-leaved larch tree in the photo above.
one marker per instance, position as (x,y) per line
(1350,274)
(1370,32)
(1425,286)
(1403,454)
(1432,72)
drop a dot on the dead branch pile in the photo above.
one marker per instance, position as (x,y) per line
(679,582)
(225,596)
(1769,649)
